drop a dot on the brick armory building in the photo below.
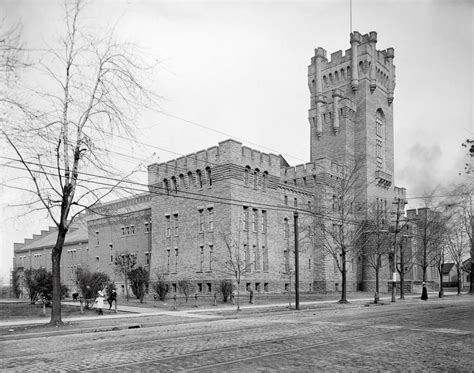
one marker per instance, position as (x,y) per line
(200,202)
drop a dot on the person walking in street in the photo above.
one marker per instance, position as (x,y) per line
(424,292)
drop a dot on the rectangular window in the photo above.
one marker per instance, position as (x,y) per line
(132,229)
(147,258)
(123,230)
(147,227)
(247,257)
(176,230)
(201,258)
(286,228)
(168,254)
(211,253)
(265,258)
(167,226)
(97,238)
(256,258)
(296,202)
(286,257)
(201,221)
(254,220)
(245,225)
(263,222)
(176,260)
(210,219)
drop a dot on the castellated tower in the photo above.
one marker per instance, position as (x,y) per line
(351,112)
(351,122)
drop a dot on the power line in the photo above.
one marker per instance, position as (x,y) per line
(194,196)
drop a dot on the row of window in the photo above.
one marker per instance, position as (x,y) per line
(191,179)
(295,202)
(255,178)
(257,259)
(250,220)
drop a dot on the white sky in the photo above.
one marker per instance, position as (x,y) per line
(241,68)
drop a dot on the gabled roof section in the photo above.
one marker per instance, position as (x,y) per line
(77,234)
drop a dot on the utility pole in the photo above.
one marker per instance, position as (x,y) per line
(394,262)
(297,270)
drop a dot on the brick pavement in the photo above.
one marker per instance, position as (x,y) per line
(406,335)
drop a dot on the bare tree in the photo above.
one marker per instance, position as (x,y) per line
(457,248)
(460,202)
(236,263)
(11,53)
(90,89)
(124,264)
(430,233)
(375,244)
(336,231)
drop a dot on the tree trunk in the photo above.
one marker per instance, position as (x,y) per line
(56,267)
(377,270)
(458,269)
(402,275)
(471,276)
(441,288)
(126,285)
(238,295)
(344,277)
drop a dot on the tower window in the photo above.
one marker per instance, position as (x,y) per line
(199,178)
(380,137)
(208,175)
(246,175)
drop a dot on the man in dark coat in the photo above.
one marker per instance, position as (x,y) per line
(424,292)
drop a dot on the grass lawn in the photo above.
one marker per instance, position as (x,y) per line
(23,310)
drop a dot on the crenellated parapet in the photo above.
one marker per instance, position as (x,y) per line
(200,167)
(400,194)
(301,175)
(361,61)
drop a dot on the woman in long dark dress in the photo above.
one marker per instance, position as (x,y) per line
(424,292)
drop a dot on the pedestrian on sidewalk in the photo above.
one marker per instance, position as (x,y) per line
(112,298)
(424,293)
(100,302)
(251,296)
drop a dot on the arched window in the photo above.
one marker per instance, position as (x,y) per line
(199,178)
(342,74)
(286,228)
(208,175)
(380,138)
(264,180)
(166,185)
(336,76)
(190,179)
(255,178)
(182,181)
(325,81)
(246,175)
(361,67)
(174,184)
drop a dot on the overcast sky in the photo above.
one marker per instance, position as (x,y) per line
(240,68)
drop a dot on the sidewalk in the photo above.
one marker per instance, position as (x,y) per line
(201,313)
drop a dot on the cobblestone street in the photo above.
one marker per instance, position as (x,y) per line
(437,335)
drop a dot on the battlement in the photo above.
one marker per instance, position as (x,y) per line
(400,194)
(319,166)
(228,151)
(414,214)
